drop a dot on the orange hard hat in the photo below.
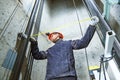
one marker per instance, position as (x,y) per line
(50,34)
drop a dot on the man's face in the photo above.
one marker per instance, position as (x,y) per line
(54,37)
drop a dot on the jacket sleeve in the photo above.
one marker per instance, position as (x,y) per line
(85,40)
(38,55)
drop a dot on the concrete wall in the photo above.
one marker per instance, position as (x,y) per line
(13,19)
(27,5)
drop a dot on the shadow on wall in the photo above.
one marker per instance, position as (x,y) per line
(27,5)
(62,6)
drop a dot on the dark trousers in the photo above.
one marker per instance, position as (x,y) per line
(66,78)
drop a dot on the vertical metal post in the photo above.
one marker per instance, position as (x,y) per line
(107,7)
(21,50)
(110,36)
(112,68)
(36,30)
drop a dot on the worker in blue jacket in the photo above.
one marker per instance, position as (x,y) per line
(60,59)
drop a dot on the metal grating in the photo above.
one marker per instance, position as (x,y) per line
(9,60)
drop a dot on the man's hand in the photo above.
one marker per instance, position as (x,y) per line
(94,20)
(47,34)
(32,39)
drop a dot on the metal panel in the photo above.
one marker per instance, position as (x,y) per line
(10,59)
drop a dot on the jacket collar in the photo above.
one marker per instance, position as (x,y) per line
(59,41)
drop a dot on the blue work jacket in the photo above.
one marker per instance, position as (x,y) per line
(60,59)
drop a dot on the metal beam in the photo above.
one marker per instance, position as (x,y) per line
(36,30)
(23,43)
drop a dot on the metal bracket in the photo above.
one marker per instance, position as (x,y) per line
(22,36)
(110,36)
(107,6)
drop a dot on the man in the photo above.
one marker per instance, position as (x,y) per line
(60,59)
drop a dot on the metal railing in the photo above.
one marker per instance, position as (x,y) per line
(22,44)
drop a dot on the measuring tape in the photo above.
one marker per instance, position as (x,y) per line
(62,26)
